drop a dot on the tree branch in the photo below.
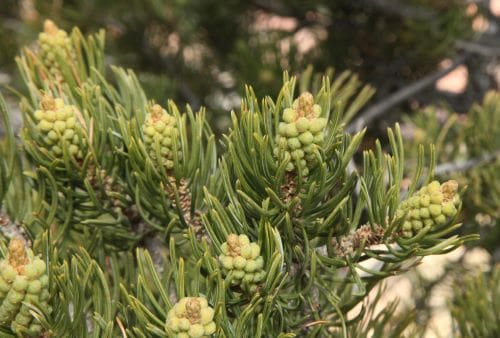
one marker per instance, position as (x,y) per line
(467,164)
(383,106)
(401,9)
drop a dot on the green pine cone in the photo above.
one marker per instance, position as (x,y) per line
(191,317)
(243,258)
(300,134)
(161,134)
(22,279)
(58,124)
(433,205)
(53,43)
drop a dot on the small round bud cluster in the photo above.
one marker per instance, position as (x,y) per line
(433,205)
(58,124)
(191,317)
(54,42)
(300,133)
(22,279)
(160,130)
(243,258)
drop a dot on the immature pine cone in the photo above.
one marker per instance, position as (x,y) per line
(59,127)
(160,129)
(433,205)
(191,317)
(300,133)
(54,43)
(22,279)
(244,260)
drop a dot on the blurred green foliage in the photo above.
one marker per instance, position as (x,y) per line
(202,52)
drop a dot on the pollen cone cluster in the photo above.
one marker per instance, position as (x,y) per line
(57,123)
(432,206)
(54,43)
(300,133)
(191,317)
(244,260)
(22,279)
(161,134)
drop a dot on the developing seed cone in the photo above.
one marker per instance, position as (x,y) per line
(22,279)
(54,44)
(300,133)
(161,134)
(191,317)
(243,258)
(59,127)
(433,205)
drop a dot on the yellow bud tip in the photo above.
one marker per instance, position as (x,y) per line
(156,112)
(193,311)
(449,189)
(233,242)
(17,255)
(305,104)
(50,27)
(48,103)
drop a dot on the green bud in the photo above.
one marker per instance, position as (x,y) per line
(449,209)
(433,187)
(414,202)
(306,138)
(407,226)
(150,131)
(196,331)
(227,262)
(291,130)
(317,125)
(289,115)
(251,266)
(282,128)
(428,222)
(35,287)
(302,124)
(50,116)
(45,125)
(440,219)
(294,143)
(238,274)
(435,210)
(20,284)
(255,250)
(9,273)
(39,115)
(436,198)
(316,110)
(210,328)
(246,251)
(298,154)
(70,122)
(23,320)
(425,200)
(417,225)
(239,262)
(207,315)
(14,297)
(424,213)
(318,138)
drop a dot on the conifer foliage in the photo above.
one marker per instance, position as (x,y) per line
(140,228)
